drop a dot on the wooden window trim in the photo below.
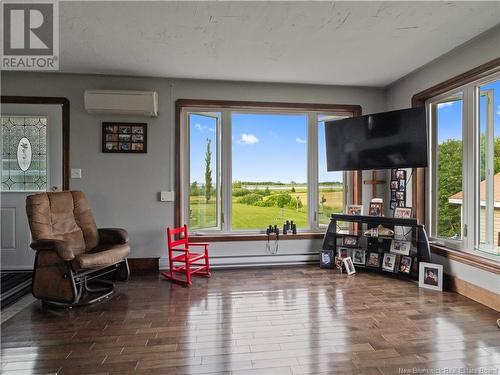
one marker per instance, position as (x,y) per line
(419,174)
(476,261)
(64,102)
(180,104)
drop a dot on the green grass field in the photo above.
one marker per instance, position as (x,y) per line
(203,215)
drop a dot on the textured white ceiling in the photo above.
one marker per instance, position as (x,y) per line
(344,43)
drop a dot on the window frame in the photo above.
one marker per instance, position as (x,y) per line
(185,106)
(470,164)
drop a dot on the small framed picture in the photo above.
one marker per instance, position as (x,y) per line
(403,212)
(112,146)
(401,174)
(327,259)
(400,195)
(373,260)
(374,232)
(349,266)
(389,262)
(400,247)
(376,209)
(393,174)
(350,241)
(393,203)
(402,184)
(394,185)
(344,253)
(354,209)
(358,256)
(430,276)
(124,137)
(405,265)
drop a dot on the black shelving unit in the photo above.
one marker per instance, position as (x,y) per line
(410,230)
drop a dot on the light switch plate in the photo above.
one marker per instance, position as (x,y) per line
(76,173)
(166,196)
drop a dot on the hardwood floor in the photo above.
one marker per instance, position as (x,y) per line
(297,320)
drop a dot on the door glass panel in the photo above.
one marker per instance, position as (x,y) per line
(204,175)
(448,166)
(330,184)
(269,170)
(489,168)
(24,155)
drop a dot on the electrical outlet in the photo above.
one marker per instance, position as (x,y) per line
(166,196)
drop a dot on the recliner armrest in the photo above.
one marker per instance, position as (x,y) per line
(112,236)
(59,246)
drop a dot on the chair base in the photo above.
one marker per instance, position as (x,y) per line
(170,275)
(87,295)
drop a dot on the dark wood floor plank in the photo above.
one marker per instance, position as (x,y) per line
(290,321)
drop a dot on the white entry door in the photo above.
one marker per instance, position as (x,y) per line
(31,163)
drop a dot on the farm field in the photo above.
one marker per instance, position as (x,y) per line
(246,216)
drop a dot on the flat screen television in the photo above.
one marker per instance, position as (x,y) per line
(396,139)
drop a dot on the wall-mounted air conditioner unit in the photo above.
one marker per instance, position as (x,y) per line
(109,102)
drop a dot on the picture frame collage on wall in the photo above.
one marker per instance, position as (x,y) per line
(124,137)
(398,258)
(398,188)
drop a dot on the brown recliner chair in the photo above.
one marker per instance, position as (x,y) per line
(71,253)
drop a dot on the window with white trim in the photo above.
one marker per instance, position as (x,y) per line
(464,179)
(244,169)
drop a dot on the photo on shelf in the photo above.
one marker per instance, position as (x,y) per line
(358,256)
(376,209)
(350,241)
(373,260)
(343,252)
(401,174)
(394,185)
(402,184)
(354,209)
(430,276)
(349,266)
(400,195)
(327,259)
(389,262)
(403,212)
(405,265)
(400,247)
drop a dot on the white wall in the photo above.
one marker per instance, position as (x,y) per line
(468,56)
(123,189)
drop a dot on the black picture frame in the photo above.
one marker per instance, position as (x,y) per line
(350,241)
(124,137)
(327,259)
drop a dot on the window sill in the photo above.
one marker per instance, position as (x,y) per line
(471,259)
(253,237)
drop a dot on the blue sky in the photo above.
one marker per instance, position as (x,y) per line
(272,147)
(450,115)
(265,147)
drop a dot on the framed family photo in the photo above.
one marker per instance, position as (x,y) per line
(389,263)
(124,137)
(349,266)
(403,212)
(358,256)
(376,209)
(354,209)
(350,241)
(400,247)
(430,276)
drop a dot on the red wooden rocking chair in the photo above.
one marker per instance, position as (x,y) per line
(181,245)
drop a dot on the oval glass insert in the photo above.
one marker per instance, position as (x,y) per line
(24,154)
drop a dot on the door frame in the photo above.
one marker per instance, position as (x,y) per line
(64,102)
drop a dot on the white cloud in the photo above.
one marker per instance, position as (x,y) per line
(445,104)
(299,140)
(202,128)
(249,139)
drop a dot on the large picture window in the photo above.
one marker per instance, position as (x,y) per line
(464,183)
(243,169)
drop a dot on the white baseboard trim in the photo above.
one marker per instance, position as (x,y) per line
(255,260)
